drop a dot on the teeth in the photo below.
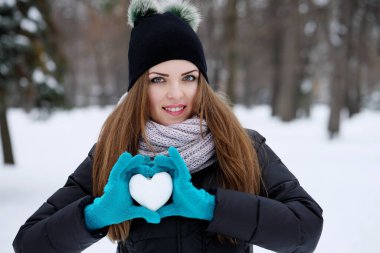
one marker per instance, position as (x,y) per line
(174,109)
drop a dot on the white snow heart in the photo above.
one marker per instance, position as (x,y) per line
(151,193)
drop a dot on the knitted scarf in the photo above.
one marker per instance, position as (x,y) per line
(186,137)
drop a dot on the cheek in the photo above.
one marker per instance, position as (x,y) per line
(152,103)
(192,93)
(152,97)
(156,97)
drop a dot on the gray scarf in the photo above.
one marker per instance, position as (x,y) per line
(186,137)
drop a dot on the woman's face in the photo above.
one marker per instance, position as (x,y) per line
(172,88)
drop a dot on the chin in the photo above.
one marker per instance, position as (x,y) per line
(171,122)
(165,121)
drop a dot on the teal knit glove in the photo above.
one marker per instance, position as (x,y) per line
(188,201)
(116,204)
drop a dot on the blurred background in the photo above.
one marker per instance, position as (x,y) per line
(292,69)
(287,54)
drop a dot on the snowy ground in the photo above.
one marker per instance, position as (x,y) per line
(341,175)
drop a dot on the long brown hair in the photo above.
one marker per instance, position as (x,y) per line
(237,159)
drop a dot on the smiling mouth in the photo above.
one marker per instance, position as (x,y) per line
(174,109)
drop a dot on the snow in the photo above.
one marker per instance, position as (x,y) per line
(342,175)
(303,8)
(310,28)
(334,33)
(34,14)
(38,76)
(7,2)
(4,69)
(321,2)
(22,40)
(28,25)
(50,65)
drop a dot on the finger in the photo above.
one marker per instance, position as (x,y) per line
(176,157)
(144,170)
(168,210)
(173,152)
(120,164)
(163,161)
(156,169)
(148,215)
(179,163)
(138,160)
(135,163)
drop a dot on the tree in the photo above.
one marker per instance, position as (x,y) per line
(286,84)
(10,46)
(94,35)
(232,52)
(340,29)
(30,64)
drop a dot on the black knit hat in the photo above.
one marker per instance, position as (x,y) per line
(158,37)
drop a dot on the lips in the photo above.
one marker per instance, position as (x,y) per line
(174,110)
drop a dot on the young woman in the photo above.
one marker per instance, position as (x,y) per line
(230,190)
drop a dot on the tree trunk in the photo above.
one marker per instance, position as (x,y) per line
(247,52)
(287,104)
(339,79)
(276,52)
(357,51)
(232,55)
(306,42)
(5,136)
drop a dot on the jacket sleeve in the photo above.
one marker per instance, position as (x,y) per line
(284,218)
(58,225)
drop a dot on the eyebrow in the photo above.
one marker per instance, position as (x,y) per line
(161,74)
(189,72)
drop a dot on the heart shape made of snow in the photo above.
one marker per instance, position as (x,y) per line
(151,193)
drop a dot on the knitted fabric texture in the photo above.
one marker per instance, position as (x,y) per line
(159,38)
(197,151)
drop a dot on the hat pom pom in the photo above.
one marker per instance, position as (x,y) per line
(186,12)
(140,8)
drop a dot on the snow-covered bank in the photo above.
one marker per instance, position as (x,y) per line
(341,175)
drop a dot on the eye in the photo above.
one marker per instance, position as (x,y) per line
(190,78)
(157,79)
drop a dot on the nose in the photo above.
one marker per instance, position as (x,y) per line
(175,91)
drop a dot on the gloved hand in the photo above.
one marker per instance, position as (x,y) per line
(188,201)
(116,204)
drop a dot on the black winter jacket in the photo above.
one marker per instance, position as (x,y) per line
(283,218)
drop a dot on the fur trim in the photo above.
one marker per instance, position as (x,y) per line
(140,8)
(186,12)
